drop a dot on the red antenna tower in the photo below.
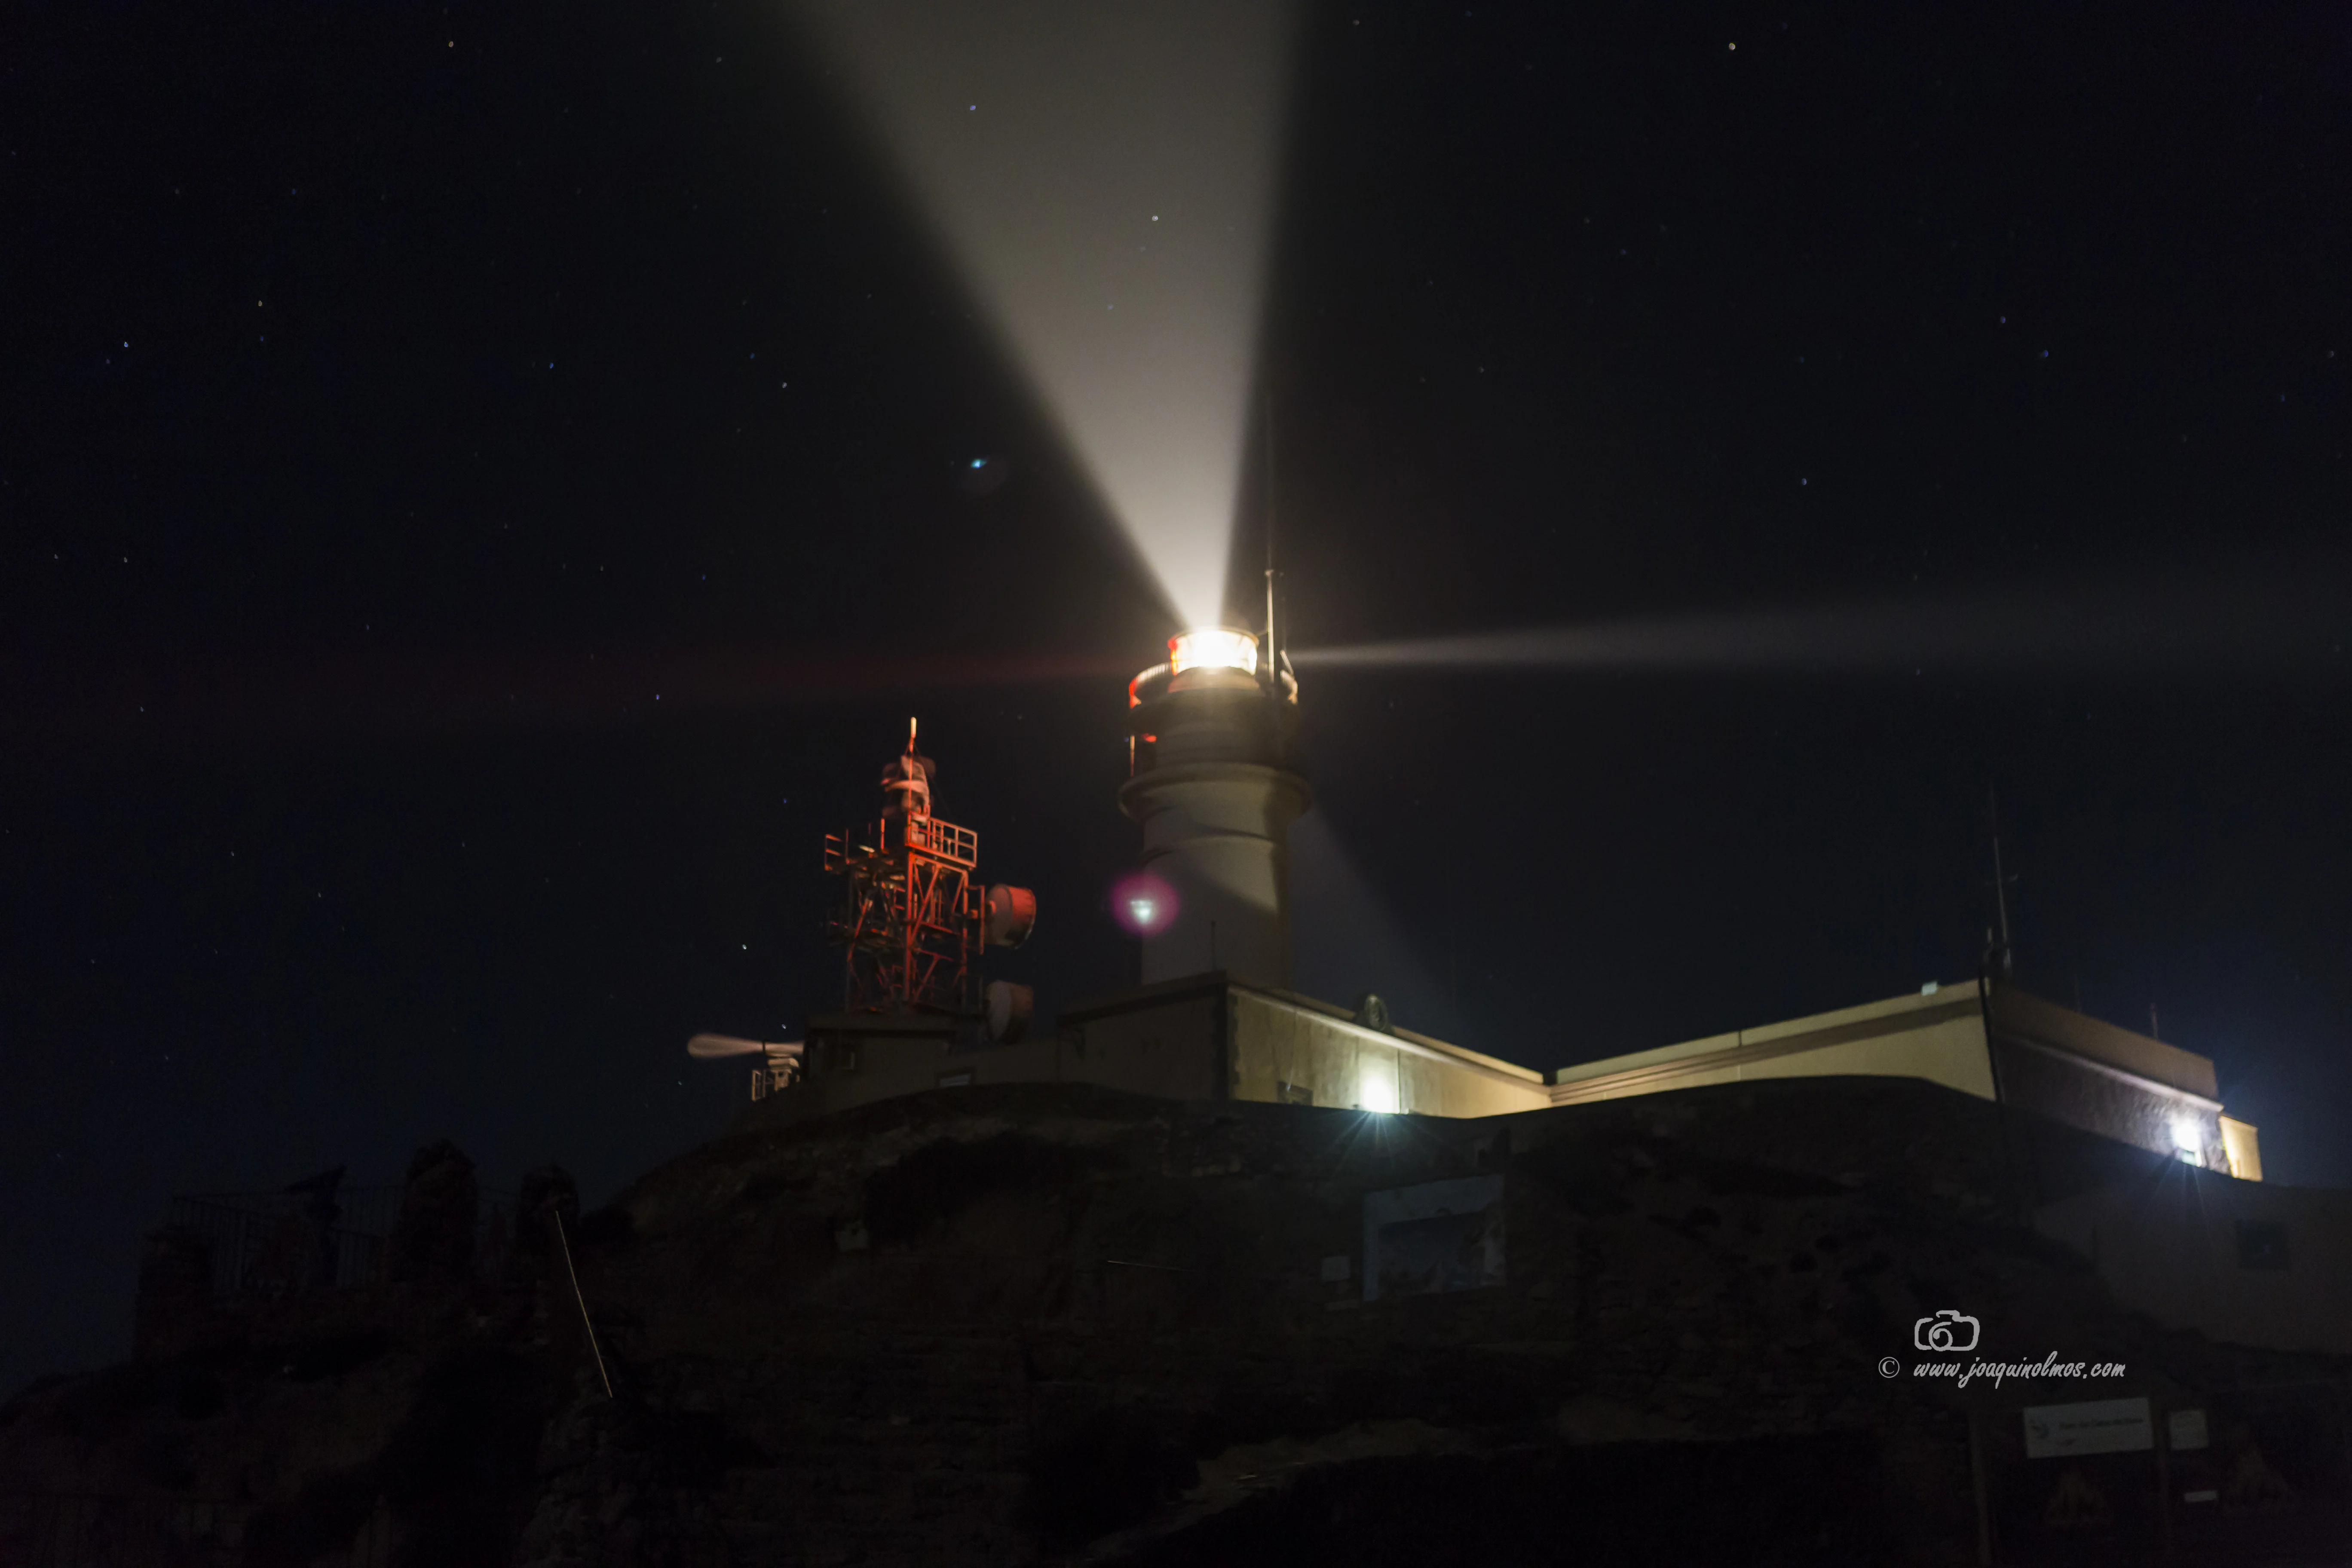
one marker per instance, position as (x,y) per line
(913,917)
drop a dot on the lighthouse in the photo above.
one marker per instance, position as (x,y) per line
(1214,782)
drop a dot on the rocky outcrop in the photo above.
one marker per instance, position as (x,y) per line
(1053,1323)
(399,1422)
(433,1239)
(174,1314)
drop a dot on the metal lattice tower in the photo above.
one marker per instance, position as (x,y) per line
(913,917)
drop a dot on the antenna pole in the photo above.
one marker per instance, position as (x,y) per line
(1999,882)
(1273,660)
(573,1275)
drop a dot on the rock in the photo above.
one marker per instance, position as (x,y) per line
(174,1310)
(433,1239)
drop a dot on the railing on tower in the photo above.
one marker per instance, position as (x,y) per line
(912,919)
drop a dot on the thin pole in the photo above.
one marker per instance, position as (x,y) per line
(573,1275)
(1976,1484)
(1454,938)
(2164,1490)
(1272,640)
(2000,884)
(2006,954)
(2000,893)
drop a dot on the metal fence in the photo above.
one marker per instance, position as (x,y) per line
(99,1530)
(282,1242)
(68,1529)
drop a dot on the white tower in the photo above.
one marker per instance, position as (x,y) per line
(1215,785)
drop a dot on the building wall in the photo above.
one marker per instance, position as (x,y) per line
(1285,1049)
(2237,1260)
(1202,1037)
(2142,1113)
(1171,1054)
(2242,1148)
(1207,1038)
(2109,1080)
(1171,1045)
(2026,1015)
(1938,1036)
(846,1067)
(2050,1060)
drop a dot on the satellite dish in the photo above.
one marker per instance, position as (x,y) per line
(1011,915)
(712,1047)
(1009,1010)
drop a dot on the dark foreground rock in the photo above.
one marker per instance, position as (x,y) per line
(1037,1323)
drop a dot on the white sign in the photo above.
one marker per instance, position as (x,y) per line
(2094,1427)
(1437,1236)
(2186,1429)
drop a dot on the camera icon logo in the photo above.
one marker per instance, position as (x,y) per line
(1947,1330)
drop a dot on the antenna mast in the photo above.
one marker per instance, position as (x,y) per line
(2003,954)
(1270,667)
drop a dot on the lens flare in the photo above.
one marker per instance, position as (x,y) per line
(1103,177)
(1143,904)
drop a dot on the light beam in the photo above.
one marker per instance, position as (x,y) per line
(1104,175)
(2291,624)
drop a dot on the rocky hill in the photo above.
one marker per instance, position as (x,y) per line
(1052,1324)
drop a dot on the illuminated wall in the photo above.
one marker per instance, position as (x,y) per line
(1210,1037)
(2040,1058)
(1289,1049)
(1203,1038)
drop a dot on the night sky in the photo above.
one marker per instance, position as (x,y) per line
(482,489)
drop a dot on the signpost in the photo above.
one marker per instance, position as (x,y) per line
(2092,1426)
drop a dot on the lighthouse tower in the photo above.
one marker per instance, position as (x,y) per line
(1214,782)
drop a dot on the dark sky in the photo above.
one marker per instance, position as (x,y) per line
(478,490)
